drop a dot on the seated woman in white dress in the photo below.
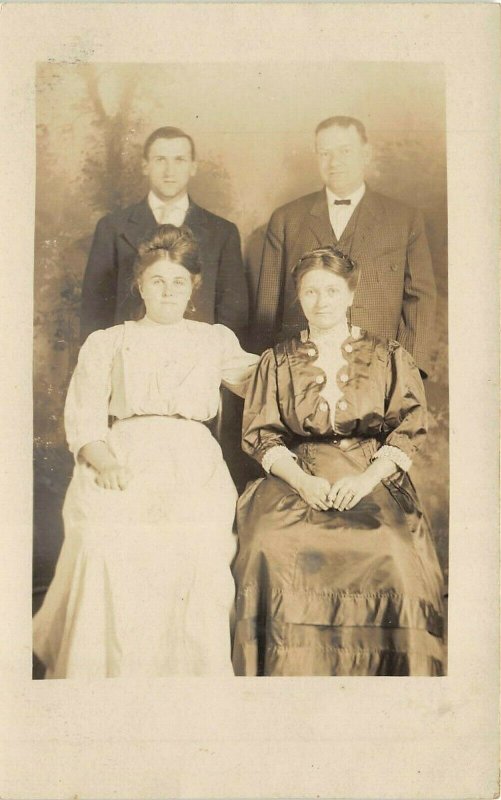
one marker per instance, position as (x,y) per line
(143,584)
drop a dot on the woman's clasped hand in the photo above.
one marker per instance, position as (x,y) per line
(343,495)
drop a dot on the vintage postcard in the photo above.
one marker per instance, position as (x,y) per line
(191,189)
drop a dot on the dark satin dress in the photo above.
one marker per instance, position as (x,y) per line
(357,592)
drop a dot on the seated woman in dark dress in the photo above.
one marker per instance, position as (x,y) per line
(336,571)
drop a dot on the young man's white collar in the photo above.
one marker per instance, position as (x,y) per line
(176,212)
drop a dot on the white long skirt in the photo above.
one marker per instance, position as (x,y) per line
(143,584)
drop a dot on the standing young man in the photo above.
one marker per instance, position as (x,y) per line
(168,164)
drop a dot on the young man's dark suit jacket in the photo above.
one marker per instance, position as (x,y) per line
(396,294)
(106,293)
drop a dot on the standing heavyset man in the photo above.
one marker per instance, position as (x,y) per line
(395,298)
(168,164)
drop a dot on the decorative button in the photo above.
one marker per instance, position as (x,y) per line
(323,406)
(343,405)
(319,379)
(311,353)
(344,444)
(343,377)
(348,348)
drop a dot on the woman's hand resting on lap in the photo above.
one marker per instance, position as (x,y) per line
(314,491)
(113,477)
(110,473)
(348,491)
(343,494)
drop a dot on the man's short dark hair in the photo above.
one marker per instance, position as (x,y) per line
(342,122)
(167,133)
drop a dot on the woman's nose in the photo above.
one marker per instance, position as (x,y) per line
(322,300)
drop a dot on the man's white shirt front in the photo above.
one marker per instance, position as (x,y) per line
(167,214)
(340,215)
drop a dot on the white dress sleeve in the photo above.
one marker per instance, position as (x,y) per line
(87,401)
(237,366)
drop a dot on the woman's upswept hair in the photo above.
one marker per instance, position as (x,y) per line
(179,244)
(328,258)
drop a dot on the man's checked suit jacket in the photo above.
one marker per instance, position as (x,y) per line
(395,298)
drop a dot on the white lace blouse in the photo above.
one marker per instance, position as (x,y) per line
(139,369)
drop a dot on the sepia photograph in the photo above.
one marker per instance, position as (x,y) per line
(178,238)
(250,401)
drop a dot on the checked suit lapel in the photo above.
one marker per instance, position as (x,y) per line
(319,222)
(369,217)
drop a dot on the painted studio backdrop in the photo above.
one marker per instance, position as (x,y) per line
(253,127)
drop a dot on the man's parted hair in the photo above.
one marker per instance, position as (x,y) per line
(342,122)
(167,133)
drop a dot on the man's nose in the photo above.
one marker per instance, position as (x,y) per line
(337,158)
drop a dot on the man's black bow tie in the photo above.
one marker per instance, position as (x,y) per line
(342,202)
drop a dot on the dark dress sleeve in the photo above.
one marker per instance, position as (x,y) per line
(263,425)
(405,421)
